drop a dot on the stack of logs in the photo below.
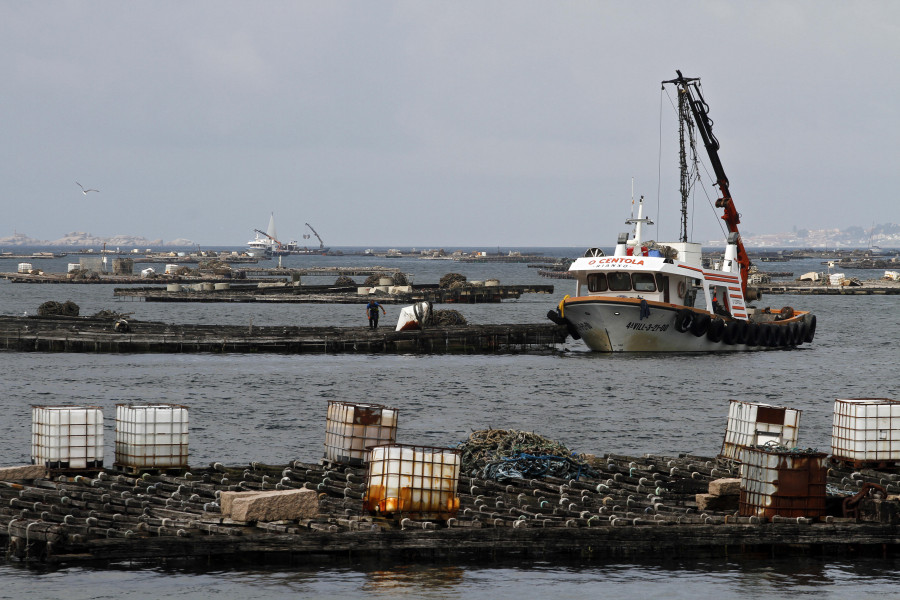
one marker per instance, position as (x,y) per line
(113,516)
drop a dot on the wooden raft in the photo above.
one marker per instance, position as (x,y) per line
(636,507)
(336,295)
(86,334)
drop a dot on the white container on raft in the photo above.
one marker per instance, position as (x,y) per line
(866,430)
(415,481)
(67,437)
(755,424)
(352,427)
(152,436)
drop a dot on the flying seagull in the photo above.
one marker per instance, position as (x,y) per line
(84,191)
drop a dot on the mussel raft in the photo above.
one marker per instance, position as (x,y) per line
(629,507)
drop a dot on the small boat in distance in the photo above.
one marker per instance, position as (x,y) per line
(658,297)
(267,244)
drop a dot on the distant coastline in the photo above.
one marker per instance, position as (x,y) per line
(80,239)
(883,236)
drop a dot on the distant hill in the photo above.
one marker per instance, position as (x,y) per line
(885,236)
(80,239)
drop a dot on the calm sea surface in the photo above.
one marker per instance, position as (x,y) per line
(271,408)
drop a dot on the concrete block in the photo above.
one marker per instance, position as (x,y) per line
(276,505)
(725,487)
(707,502)
(23,472)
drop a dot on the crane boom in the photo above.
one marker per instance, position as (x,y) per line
(321,243)
(690,86)
(279,244)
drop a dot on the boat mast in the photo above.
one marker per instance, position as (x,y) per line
(638,224)
(690,88)
(684,123)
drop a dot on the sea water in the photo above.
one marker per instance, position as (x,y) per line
(272,408)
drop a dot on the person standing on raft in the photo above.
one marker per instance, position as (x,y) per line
(372,312)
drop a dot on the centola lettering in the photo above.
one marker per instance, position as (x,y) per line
(616,260)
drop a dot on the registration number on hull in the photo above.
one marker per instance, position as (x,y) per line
(637,326)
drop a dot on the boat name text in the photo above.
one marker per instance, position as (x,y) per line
(647,326)
(615,260)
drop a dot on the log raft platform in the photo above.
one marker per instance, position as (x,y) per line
(89,334)
(868,288)
(109,279)
(335,295)
(240,275)
(635,508)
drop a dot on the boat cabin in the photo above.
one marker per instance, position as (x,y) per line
(677,277)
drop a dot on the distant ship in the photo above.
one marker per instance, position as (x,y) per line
(266,243)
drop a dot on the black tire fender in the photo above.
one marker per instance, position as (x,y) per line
(811,332)
(684,319)
(700,325)
(751,338)
(781,337)
(735,332)
(715,330)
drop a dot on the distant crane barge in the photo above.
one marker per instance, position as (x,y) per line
(267,243)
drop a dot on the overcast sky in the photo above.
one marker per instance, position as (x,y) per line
(439,123)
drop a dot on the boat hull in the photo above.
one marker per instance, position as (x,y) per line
(626,325)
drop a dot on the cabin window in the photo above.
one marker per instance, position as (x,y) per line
(619,281)
(643,282)
(597,282)
(662,284)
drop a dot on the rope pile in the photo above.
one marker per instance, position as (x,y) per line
(400,279)
(110,315)
(452,280)
(343,280)
(52,308)
(773,446)
(666,251)
(446,317)
(79,274)
(501,455)
(213,265)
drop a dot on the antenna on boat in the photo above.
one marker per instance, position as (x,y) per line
(638,223)
(632,197)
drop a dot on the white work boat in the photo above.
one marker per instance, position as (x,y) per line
(658,297)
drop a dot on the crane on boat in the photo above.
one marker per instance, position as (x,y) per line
(278,244)
(321,243)
(690,87)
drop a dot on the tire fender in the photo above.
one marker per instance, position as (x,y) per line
(684,319)
(700,325)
